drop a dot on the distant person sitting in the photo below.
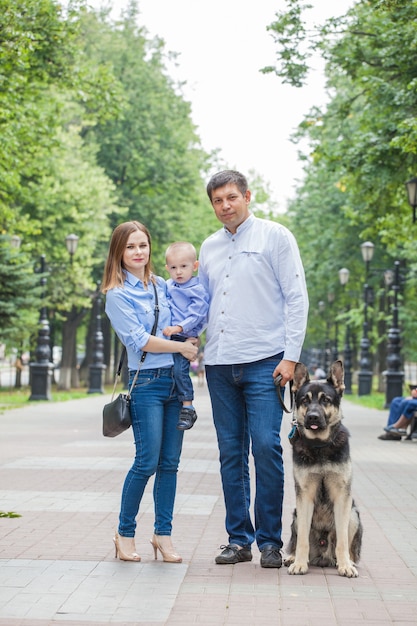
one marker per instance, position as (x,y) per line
(318,372)
(400,413)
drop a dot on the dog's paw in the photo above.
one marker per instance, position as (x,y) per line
(289,560)
(348,569)
(298,568)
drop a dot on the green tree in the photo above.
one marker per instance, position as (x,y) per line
(36,49)
(150,151)
(363,142)
(19,297)
(53,185)
(76,197)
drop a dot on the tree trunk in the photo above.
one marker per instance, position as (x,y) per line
(68,375)
(19,368)
(88,359)
(381,354)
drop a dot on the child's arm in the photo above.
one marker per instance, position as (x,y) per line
(197,310)
(171,330)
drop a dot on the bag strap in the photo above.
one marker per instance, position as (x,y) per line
(155,324)
(122,358)
(153,332)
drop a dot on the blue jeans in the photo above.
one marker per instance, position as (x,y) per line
(155,411)
(182,377)
(401,406)
(246,409)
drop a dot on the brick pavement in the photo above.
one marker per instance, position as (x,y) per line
(57,560)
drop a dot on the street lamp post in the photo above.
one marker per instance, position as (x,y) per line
(365,372)
(394,375)
(97,367)
(41,369)
(333,349)
(71,241)
(323,359)
(15,241)
(411,186)
(347,350)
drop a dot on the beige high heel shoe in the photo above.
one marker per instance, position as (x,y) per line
(163,543)
(125,548)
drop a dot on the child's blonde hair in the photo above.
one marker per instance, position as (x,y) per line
(184,245)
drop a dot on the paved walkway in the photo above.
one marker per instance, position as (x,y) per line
(57,560)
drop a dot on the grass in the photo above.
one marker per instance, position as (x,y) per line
(11,398)
(375,400)
(15,398)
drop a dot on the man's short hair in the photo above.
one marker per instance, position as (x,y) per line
(227,177)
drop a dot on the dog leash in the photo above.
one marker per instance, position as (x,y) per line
(277,381)
(294,434)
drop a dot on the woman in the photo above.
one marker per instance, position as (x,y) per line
(129,283)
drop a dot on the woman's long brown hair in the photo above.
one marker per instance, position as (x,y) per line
(113,275)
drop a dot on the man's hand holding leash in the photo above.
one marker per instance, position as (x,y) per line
(286,370)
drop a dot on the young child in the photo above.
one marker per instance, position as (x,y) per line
(189,307)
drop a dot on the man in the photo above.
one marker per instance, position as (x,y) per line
(256,326)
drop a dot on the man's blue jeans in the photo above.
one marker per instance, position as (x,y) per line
(155,411)
(246,409)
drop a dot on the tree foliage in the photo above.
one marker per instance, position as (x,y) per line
(94,132)
(36,48)
(20,297)
(363,145)
(150,151)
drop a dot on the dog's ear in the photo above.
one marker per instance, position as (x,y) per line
(337,376)
(301,376)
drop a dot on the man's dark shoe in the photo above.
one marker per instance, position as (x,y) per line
(233,554)
(187,418)
(271,556)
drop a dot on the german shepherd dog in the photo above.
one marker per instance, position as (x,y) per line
(326,530)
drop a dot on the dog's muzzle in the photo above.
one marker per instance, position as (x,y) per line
(314,420)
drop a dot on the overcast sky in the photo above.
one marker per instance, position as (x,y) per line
(222,45)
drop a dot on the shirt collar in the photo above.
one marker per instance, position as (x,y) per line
(242,228)
(131,278)
(190,283)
